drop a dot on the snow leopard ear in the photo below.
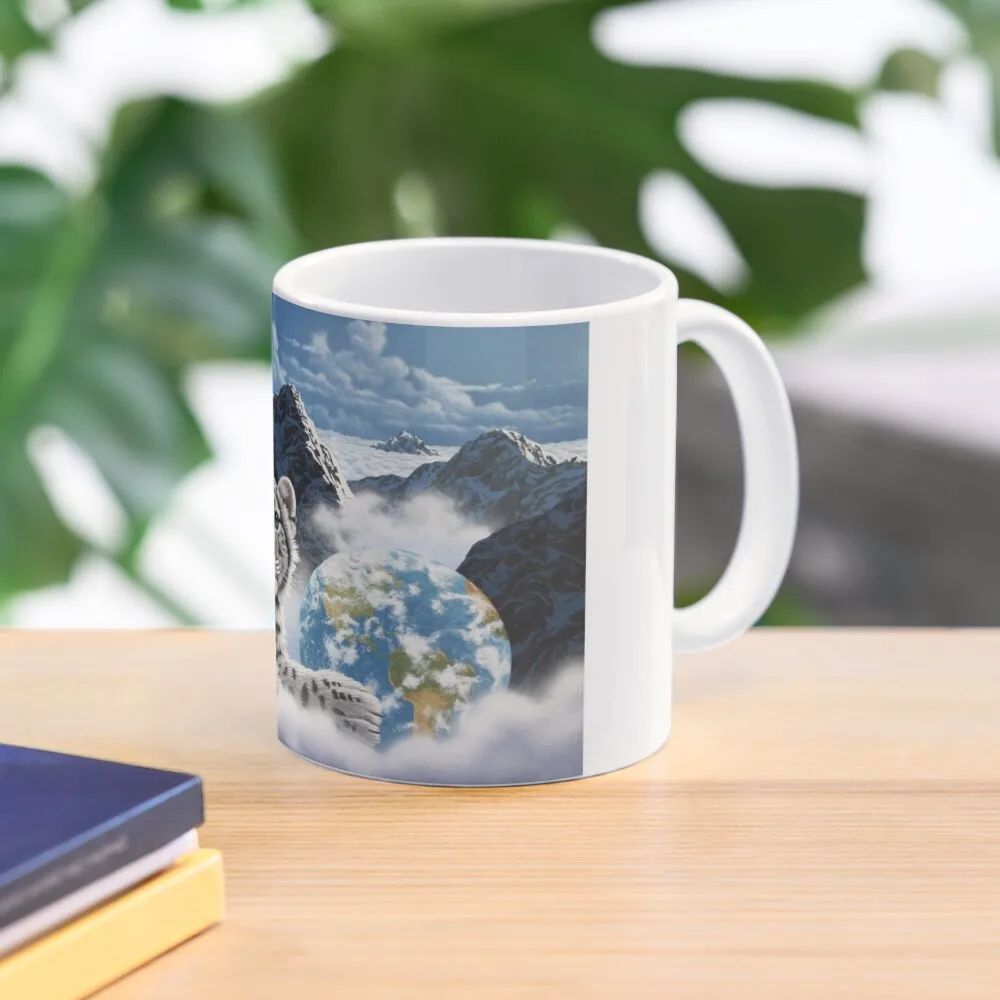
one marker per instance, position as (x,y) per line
(286,495)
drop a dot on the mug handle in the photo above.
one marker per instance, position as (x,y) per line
(771,470)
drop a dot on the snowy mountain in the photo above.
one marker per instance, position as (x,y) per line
(533,565)
(308,463)
(534,572)
(404,443)
(498,478)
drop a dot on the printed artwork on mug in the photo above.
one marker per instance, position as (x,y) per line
(430,505)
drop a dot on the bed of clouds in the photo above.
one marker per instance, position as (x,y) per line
(428,525)
(363,391)
(506,738)
(356,457)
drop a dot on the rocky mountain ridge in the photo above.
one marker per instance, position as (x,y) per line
(300,455)
(534,573)
(496,479)
(404,443)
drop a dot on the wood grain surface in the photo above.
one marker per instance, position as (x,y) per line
(824,823)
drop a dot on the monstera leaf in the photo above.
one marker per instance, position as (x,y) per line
(35,547)
(514,122)
(105,301)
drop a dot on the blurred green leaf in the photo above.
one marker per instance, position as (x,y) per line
(17,34)
(518,120)
(196,5)
(787,609)
(106,302)
(35,547)
(341,157)
(911,70)
(192,6)
(197,228)
(405,21)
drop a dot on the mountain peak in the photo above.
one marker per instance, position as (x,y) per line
(288,404)
(405,443)
(506,440)
(316,478)
(289,395)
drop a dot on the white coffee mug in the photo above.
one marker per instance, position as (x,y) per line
(474,506)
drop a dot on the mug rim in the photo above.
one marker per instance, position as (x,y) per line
(285,284)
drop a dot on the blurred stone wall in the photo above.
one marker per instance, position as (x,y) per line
(894,529)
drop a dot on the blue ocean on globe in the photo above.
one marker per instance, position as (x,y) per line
(422,637)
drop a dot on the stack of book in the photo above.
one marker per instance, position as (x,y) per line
(100,871)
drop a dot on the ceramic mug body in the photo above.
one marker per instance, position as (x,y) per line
(474,485)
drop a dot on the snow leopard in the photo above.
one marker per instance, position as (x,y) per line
(349,703)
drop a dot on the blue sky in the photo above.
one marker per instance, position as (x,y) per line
(445,384)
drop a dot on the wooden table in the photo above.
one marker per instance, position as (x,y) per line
(825,822)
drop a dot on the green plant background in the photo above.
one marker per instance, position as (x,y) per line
(491,117)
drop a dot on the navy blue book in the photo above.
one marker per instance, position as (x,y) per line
(67,821)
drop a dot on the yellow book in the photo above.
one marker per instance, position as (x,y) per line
(126,932)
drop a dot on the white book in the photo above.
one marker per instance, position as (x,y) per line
(42,921)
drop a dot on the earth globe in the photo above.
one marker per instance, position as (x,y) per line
(423,638)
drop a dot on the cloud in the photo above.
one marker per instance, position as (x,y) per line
(506,738)
(568,449)
(428,525)
(368,336)
(357,458)
(415,646)
(532,396)
(318,347)
(362,391)
(488,657)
